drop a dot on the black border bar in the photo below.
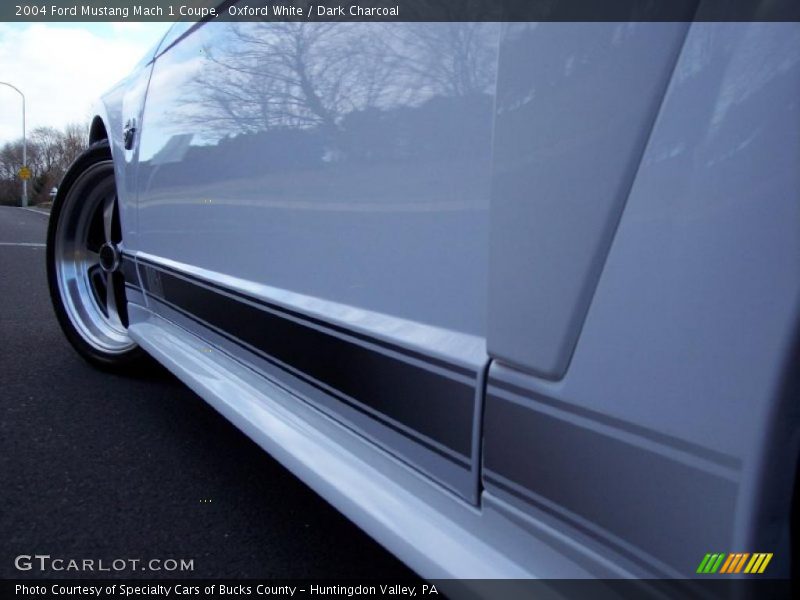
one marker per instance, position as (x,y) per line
(508,589)
(401,10)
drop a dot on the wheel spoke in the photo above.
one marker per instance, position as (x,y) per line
(108,217)
(97,284)
(91,259)
(111,300)
(97,279)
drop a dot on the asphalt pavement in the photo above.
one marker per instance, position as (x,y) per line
(98,466)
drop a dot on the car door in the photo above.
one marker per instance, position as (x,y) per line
(643,286)
(313,198)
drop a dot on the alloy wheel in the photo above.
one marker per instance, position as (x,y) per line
(88,256)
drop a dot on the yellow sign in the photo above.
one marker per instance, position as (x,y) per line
(24,173)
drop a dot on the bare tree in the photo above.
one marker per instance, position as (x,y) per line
(278,75)
(310,75)
(50,152)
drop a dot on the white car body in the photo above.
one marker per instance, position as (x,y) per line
(536,317)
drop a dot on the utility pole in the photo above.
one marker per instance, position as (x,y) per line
(24,146)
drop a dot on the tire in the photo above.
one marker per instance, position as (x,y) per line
(86,285)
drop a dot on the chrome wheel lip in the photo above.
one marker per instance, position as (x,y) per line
(97,320)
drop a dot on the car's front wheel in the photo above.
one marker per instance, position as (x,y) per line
(84,240)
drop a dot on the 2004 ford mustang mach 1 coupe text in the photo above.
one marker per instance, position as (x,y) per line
(521,300)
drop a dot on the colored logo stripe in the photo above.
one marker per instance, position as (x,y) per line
(710,563)
(703,563)
(734,562)
(758,563)
(741,562)
(727,564)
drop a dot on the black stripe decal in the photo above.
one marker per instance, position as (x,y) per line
(327,325)
(610,482)
(720,458)
(445,453)
(634,557)
(393,387)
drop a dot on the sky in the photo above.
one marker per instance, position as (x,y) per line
(63,67)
